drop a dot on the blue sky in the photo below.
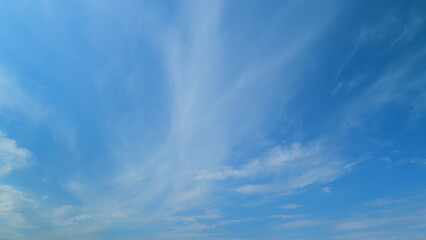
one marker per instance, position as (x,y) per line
(213,120)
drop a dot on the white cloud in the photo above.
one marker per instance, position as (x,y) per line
(326,189)
(400,83)
(11,95)
(17,211)
(364,223)
(392,30)
(391,88)
(194,227)
(291,206)
(157,182)
(253,188)
(300,224)
(385,202)
(225,173)
(185,235)
(23,217)
(387,215)
(298,166)
(389,32)
(70,215)
(281,156)
(208,118)
(13,99)
(198,224)
(288,216)
(11,155)
(207,215)
(211,110)
(419,162)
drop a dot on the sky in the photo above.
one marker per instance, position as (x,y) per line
(213,120)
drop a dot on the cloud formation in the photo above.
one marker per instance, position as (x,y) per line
(11,155)
(297,166)
(197,119)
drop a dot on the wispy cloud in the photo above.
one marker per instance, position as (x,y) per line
(390,31)
(326,189)
(16,208)
(387,91)
(300,224)
(365,223)
(384,213)
(385,202)
(210,110)
(216,82)
(202,225)
(254,188)
(291,206)
(207,215)
(15,101)
(288,216)
(297,165)
(11,155)
(400,83)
